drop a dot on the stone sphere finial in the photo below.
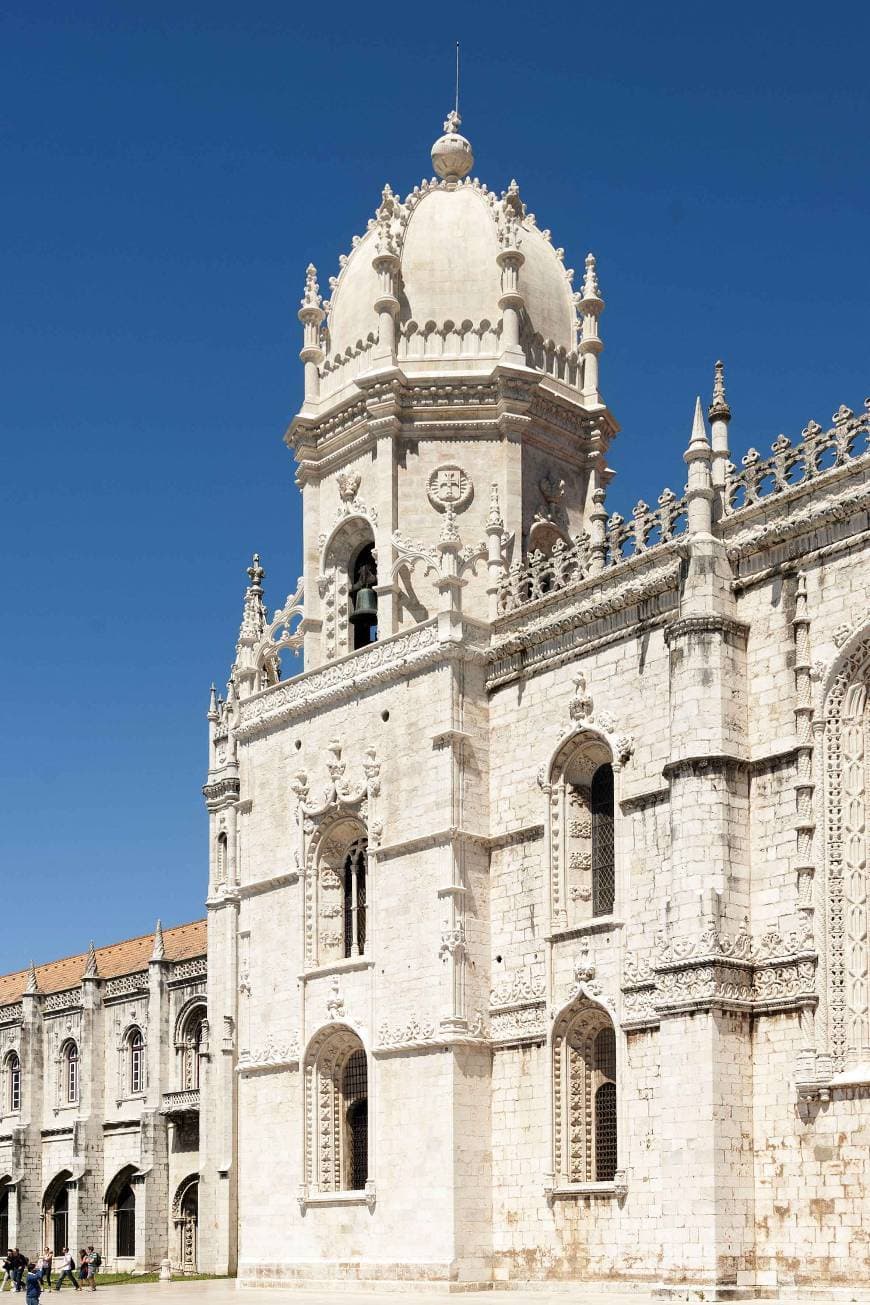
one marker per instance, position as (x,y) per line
(452,158)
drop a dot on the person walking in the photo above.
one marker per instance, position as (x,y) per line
(33,1283)
(67,1270)
(83,1266)
(95,1259)
(45,1265)
(19,1264)
(7,1272)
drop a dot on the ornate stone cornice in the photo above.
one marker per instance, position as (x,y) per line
(380,663)
(221,793)
(557,629)
(715,969)
(704,623)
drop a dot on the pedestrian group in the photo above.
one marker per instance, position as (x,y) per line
(34,1276)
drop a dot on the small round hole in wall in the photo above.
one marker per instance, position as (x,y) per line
(385,715)
(498,960)
(298,744)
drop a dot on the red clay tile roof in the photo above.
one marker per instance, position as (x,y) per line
(128,957)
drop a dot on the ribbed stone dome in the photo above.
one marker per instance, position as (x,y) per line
(447,236)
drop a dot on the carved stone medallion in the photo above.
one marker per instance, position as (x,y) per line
(450,487)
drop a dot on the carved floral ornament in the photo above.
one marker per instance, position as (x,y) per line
(586,719)
(339,792)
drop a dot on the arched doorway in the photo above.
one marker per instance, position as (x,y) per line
(120,1221)
(186,1218)
(4,1215)
(55,1213)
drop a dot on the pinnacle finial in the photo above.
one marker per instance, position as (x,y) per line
(90,970)
(591,288)
(32,981)
(452,158)
(158,952)
(311,297)
(212,713)
(699,430)
(256,572)
(719,410)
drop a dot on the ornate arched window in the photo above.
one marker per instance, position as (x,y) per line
(13,1083)
(336,1102)
(55,1213)
(584,1096)
(581,832)
(135,1062)
(189,1045)
(69,1061)
(354,898)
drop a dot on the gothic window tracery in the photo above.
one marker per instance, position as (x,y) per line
(336,1101)
(582,833)
(69,1059)
(847,759)
(354,899)
(13,1082)
(135,1062)
(190,1038)
(222,858)
(585,1096)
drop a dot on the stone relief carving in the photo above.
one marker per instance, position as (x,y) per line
(272,1054)
(450,488)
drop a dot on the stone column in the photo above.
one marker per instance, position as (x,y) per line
(26,1203)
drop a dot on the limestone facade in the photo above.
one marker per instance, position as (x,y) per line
(606,1014)
(537,898)
(102,1060)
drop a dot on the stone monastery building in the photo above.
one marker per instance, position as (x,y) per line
(537,929)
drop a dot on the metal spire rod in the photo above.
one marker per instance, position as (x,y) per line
(457,80)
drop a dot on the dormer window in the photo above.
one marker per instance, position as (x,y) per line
(363,598)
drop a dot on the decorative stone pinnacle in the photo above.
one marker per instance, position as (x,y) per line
(590,281)
(212,703)
(158,952)
(90,970)
(311,298)
(256,572)
(719,410)
(449,536)
(32,981)
(494,520)
(699,431)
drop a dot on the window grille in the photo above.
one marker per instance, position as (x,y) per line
(354,900)
(222,858)
(605,1133)
(355,1095)
(137,1065)
(14,1084)
(584,1082)
(603,876)
(605,1053)
(125,1223)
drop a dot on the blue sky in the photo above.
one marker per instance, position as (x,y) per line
(168,172)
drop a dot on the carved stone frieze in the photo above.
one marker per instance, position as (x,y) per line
(273,1054)
(342,679)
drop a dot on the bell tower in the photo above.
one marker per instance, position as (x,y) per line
(452,418)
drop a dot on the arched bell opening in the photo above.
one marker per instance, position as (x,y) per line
(363,612)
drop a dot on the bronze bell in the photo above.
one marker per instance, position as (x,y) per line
(365,605)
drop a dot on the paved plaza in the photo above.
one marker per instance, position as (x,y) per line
(223,1291)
